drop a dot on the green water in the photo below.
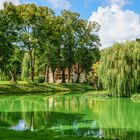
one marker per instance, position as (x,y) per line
(71,115)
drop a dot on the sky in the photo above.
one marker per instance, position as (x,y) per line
(119,19)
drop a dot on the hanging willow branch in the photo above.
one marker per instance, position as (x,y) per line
(119,70)
(25,66)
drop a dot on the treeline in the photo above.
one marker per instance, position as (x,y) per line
(34,41)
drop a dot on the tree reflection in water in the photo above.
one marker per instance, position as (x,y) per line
(71,115)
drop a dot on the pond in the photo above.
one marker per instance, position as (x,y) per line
(71,115)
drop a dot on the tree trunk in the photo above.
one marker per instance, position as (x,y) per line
(13,76)
(32,64)
(83,76)
(50,76)
(53,74)
(78,75)
(99,86)
(69,72)
(46,74)
(87,81)
(63,76)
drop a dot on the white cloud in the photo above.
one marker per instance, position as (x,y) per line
(16,2)
(117,25)
(60,4)
(118,2)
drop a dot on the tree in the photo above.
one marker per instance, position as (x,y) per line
(69,37)
(25,66)
(48,42)
(13,65)
(51,51)
(95,75)
(87,50)
(31,27)
(119,69)
(7,33)
(79,41)
(8,39)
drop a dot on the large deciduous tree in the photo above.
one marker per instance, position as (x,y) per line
(71,25)
(8,34)
(6,37)
(33,20)
(80,41)
(87,49)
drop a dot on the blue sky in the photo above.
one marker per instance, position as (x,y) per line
(85,7)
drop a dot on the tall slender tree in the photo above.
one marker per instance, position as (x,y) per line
(8,34)
(32,18)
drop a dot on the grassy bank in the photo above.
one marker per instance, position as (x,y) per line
(27,135)
(23,87)
(103,95)
(135,98)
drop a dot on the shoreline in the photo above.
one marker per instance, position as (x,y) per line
(42,88)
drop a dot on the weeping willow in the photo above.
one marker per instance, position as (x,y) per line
(3,76)
(25,66)
(119,69)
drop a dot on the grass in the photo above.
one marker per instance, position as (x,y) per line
(27,135)
(9,83)
(135,98)
(23,87)
(101,92)
(103,95)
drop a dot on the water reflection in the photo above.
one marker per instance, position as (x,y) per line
(72,115)
(21,126)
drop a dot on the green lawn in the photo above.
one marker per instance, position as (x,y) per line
(24,87)
(8,82)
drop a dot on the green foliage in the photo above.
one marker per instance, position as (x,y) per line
(119,69)
(8,35)
(25,66)
(46,41)
(87,51)
(40,79)
(13,64)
